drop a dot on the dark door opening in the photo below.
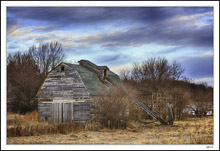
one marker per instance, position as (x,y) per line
(105,73)
(62,68)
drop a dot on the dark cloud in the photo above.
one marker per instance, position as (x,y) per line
(63,16)
(202,37)
(76,51)
(113,59)
(12,47)
(45,28)
(12,24)
(42,39)
(67,16)
(198,67)
(170,50)
(193,10)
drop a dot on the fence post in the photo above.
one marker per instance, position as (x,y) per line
(170,113)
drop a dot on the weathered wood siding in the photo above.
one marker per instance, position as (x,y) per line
(65,84)
(44,111)
(81,112)
(64,112)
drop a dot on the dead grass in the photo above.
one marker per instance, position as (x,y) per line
(188,131)
(28,125)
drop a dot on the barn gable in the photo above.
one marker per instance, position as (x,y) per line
(63,83)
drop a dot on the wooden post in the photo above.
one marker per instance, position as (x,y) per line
(72,113)
(169,107)
(52,113)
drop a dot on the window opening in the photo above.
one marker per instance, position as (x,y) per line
(62,68)
(105,73)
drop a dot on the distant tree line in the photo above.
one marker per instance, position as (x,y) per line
(26,72)
(157,75)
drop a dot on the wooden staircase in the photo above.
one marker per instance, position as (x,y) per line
(146,109)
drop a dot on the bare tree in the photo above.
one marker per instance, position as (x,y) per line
(57,54)
(124,74)
(136,72)
(176,71)
(155,72)
(47,55)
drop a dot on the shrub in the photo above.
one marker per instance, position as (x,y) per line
(113,105)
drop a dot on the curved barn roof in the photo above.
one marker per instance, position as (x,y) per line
(91,79)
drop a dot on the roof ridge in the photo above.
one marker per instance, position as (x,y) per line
(89,62)
(70,63)
(94,65)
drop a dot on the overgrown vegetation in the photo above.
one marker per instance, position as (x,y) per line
(28,125)
(114,106)
(30,131)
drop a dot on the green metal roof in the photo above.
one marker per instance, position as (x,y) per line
(91,79)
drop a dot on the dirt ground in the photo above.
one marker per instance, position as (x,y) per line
(188,131)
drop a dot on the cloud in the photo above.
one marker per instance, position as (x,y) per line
(170,50)
(67,16)
(45,28)
(19,32)
(208,80)
(12,25)
(116,59)
(13,47)
(202,37)
(15,31)
(198,67)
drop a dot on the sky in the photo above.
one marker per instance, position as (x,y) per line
(119,36)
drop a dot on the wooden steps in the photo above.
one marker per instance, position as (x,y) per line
(146,109)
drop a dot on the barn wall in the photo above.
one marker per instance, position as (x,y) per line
(94,112)
(81,112)
(44,111)
(64,112)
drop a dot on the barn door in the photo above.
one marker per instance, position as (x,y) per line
(67,112)
(57,112)
(62,112)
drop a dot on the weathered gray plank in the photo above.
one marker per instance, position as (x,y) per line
(55,112)
(65,85)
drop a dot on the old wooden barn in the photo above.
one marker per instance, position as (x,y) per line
(66,93)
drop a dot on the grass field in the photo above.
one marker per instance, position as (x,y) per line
(187,131)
